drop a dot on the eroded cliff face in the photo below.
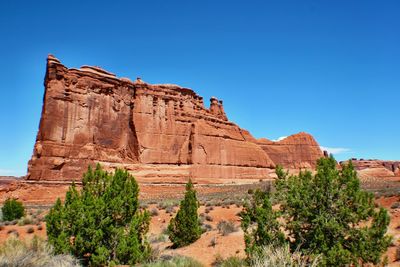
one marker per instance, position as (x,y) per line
(159,132)
(376,168)
(298,151)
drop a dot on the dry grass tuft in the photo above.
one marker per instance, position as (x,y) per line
(226,227)
(271,256)
(36,253)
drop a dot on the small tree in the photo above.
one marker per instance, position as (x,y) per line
(101,224)
(12,209)
(185,228)
(329,214)
(260,224)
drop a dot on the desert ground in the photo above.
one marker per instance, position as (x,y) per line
(218,203)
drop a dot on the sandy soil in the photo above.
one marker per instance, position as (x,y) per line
(42,195)
(9,230)
(45,193)
(203,249)
(394,226)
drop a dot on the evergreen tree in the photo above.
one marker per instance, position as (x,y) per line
(185,228)
(260,224)
(12,209)
(102,223)
(327,214)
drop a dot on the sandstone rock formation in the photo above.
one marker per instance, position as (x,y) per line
(298,151)
(159,132)
(376,168)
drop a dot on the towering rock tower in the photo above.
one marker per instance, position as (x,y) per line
(157,132)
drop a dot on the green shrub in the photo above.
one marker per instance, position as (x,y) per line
(327,210)
(324,214)
(260,224)
(12,210)
(102,224)
(185,227)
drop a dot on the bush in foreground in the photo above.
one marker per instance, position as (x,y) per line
(101,224)
(185,227)
(270,256)
(12,210)
(326,214)
(260,224)
(36,253)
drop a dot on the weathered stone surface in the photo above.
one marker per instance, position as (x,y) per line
(298,151)
(155,131)
(376,168)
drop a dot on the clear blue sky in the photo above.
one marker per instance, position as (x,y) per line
(330,68)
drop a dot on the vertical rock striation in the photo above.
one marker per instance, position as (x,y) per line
(158,132)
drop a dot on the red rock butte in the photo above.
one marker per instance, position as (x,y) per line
(376,168)
(158,132)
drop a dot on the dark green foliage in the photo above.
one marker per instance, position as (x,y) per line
(185,228)
(102,224)
(327,214)
(260,224)
(12,210)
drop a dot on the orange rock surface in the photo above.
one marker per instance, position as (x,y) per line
(157,132)
(298,151)
(376,168)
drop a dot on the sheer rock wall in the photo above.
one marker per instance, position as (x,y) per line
(155,131)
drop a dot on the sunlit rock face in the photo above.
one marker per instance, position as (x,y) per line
(158,132)
(298,151)
(375,168)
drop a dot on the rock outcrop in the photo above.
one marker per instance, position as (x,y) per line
(376,168)
(158,132)
(298,151)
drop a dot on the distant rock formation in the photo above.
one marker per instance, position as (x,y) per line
(376,168)
(158,132)
(298,151)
